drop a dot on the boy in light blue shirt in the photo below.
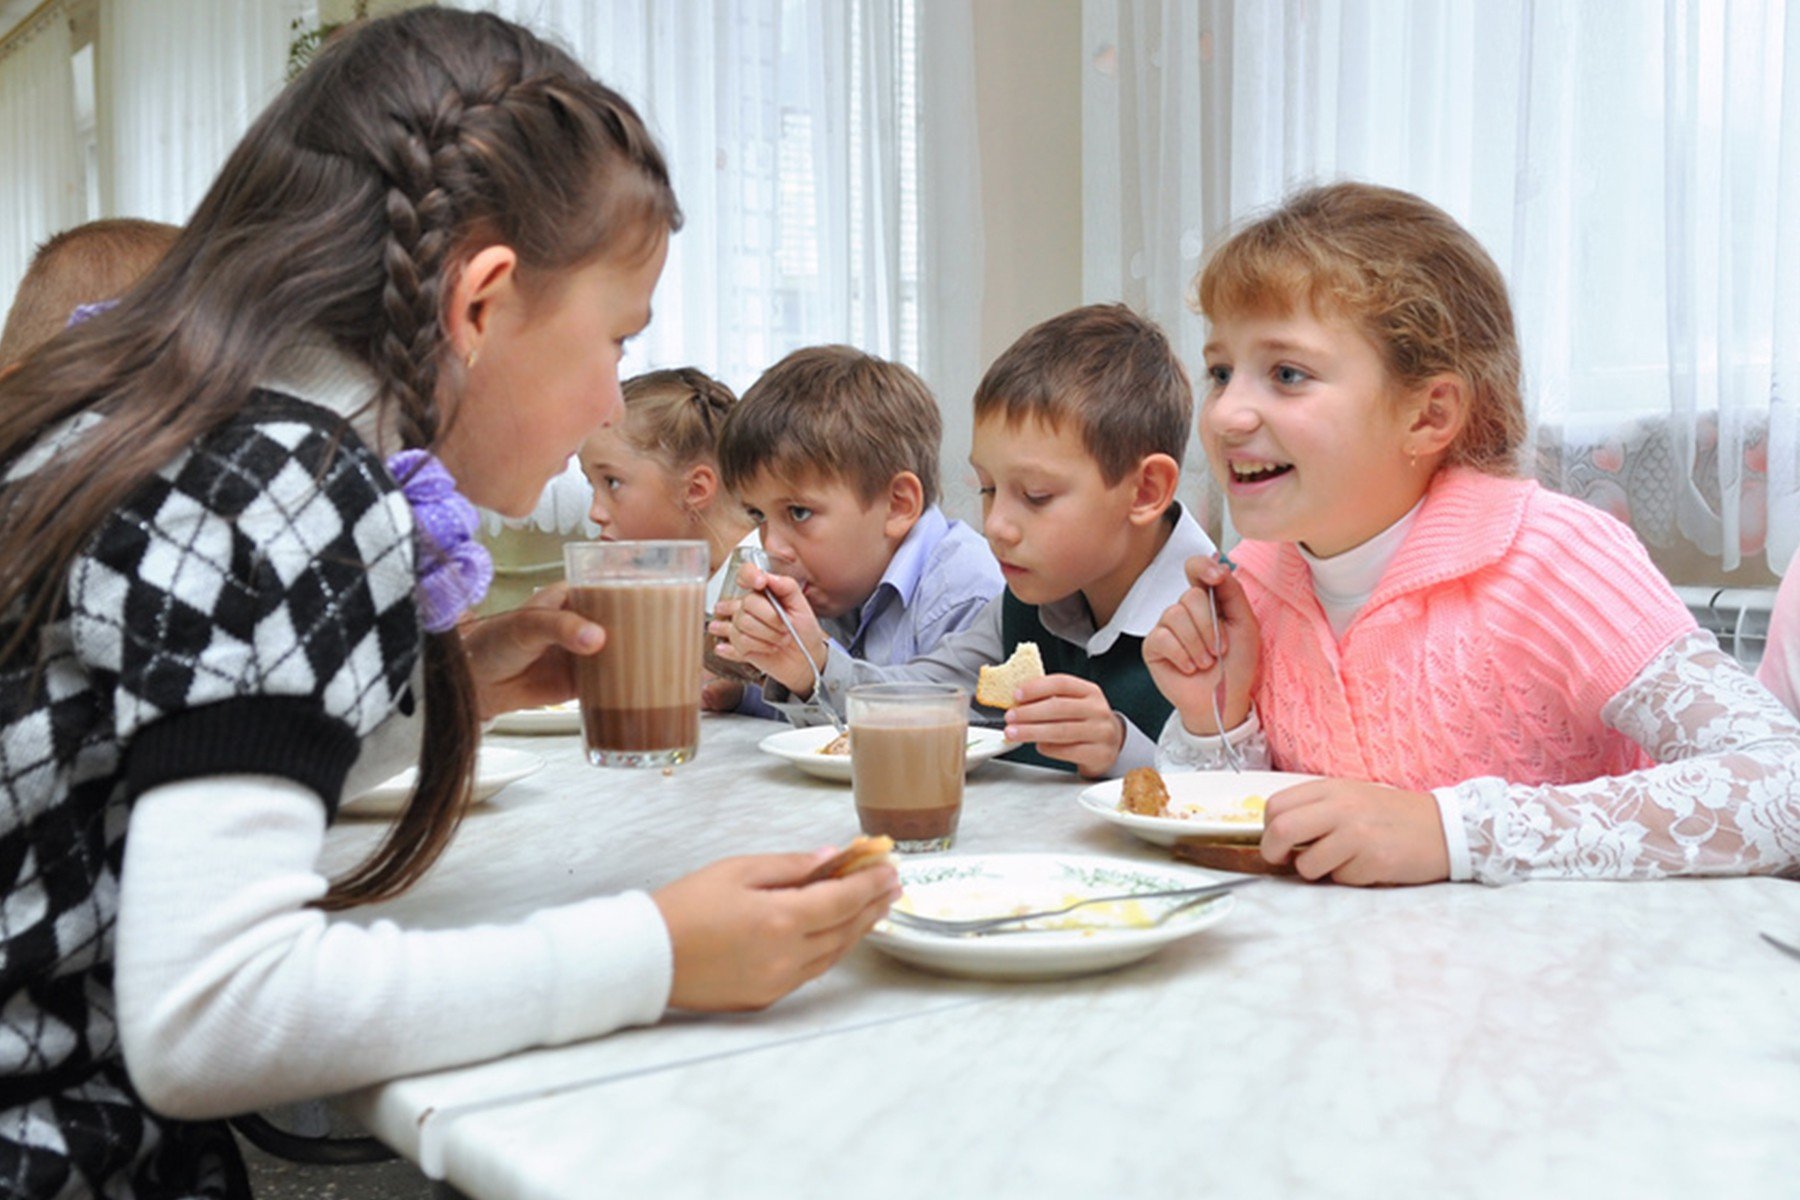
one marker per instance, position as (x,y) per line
(1080,427)
(835,454)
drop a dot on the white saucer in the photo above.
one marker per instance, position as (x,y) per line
(555,718)
(801,747)
(1208,804)
(495,767)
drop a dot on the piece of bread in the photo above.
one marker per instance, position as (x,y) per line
(996,685)
(1144,793)
(861,854)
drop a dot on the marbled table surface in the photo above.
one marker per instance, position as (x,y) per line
(1545,1039)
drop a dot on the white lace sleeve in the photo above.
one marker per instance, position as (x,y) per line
(1179,750)
(1723,799)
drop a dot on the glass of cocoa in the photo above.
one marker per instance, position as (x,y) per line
(730,589)
(907,742)
(640,696)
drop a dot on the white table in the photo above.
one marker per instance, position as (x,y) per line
(1551,1038)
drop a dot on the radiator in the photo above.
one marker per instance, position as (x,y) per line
(1738,617)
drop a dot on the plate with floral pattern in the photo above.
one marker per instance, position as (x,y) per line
(1097,938)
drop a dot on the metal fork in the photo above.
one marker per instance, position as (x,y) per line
(1232,758)
(980,925)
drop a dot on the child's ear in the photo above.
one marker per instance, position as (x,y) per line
(1153,488)
(700,488)
(486,278)
(905,505)
(1440,410)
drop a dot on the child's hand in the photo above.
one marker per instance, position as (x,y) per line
(526,657)
(758,636)
(720,695)
(1184,662)
(1067,717)
(744,936)
(1358,833)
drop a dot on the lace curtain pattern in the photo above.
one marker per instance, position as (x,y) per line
(37,143)
(1634,169)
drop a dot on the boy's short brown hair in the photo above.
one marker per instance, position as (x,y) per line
(1106,369)
(835,413)
(100,260)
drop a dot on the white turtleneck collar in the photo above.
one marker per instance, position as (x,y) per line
(313,369)
(1344,582)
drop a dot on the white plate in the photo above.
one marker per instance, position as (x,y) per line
(988,885)
(555,718)
(495,767)
(801,747)
(1211,804)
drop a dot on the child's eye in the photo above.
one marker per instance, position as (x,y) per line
(1288,376)
(613,483)
(798,514)
(1220,375)
(986,493)
(1038,499)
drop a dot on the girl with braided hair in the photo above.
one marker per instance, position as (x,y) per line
(656,473)
(235,519)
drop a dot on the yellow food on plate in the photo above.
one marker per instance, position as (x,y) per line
(837,745)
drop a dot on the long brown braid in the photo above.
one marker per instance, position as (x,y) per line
(345,212)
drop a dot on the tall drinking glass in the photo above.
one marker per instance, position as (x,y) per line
(907,744)
(640,696)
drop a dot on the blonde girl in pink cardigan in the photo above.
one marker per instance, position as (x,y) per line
(1493,679)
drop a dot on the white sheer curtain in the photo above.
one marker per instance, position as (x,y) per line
(824,154)
(1634,169)
(43,190)
(178,83)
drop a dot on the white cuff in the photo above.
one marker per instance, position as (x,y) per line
(1456,838)
(614,964)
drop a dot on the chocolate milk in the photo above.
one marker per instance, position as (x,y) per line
(641,694)
(908,777)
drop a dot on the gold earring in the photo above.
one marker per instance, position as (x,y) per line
(1412,460)
(469,362)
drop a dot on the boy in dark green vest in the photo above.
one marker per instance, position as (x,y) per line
(1080,428)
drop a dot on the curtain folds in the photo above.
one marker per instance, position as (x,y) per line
(826,161)
(38,144)
(179,83)
(1634,169)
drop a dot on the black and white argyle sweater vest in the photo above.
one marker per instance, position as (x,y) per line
(248,610)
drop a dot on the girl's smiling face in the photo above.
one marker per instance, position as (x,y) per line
(1310,438)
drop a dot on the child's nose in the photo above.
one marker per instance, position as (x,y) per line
(598,512)
(1231,409)
(998,526)
(778,546)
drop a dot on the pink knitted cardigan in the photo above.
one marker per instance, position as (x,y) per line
(1507,620)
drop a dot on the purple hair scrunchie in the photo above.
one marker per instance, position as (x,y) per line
(87,312)
(457,569)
